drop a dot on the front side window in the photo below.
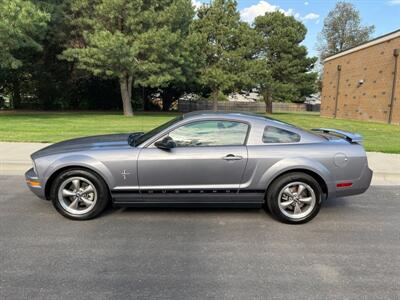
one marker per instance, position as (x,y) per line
(278,135)
(210,133)
(144,137)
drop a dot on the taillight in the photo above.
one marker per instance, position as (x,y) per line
(344,184)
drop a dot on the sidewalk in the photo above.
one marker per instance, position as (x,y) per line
(15,160)
(386,168)
(15,157)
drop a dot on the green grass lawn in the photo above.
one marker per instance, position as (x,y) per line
(54,127)
(377,136)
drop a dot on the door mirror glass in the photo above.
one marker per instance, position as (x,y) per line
(166,143)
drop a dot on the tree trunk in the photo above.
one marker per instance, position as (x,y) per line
(268,101)
(166,101)
(215,99)
(126,94)
(146,100)
(16,98)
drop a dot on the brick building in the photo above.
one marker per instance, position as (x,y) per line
(363,82)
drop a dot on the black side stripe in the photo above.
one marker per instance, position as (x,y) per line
(252,191)
(172,191)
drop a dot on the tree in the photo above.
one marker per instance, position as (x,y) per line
(22,26)
(222,32)
(139,42)
(290,76)
(260,75)
(51,78)
(192,60)
(342,30)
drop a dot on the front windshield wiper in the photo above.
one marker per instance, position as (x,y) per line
(132,138)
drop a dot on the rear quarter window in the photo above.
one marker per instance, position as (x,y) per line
(278,135)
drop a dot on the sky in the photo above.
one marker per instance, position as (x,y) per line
(384,14)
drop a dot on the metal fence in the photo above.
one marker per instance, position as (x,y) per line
(187,106)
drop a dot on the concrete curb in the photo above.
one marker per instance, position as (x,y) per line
(15,160)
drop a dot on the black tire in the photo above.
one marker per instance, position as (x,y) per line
(278,185)
(100,188)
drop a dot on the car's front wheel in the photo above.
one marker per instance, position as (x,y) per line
(79,194)
(294,198)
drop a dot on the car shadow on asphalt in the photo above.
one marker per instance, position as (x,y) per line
(334,203)
(161,209)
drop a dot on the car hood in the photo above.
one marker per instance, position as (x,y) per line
(87,143)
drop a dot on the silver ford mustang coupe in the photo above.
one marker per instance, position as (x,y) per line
(203,158)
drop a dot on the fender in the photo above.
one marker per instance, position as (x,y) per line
(79,160)
(294,163)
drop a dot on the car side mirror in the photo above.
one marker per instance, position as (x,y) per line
(166,143)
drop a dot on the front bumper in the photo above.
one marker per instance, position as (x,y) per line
(34,184)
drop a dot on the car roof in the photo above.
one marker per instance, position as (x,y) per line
(217,113)
(245,116)
(255,119)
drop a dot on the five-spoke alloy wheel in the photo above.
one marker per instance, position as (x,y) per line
(79,194)
(294,198)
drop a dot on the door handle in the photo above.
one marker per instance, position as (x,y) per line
(233,157)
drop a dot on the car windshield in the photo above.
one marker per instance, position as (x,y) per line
(144,137)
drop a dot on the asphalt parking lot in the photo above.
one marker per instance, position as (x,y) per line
(350,250)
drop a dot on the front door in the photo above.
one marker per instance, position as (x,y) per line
(209,157)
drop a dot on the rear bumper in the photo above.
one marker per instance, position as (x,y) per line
(34,183)
(359,186)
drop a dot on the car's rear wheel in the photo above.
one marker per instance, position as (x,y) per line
(294,198)
(79,194)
